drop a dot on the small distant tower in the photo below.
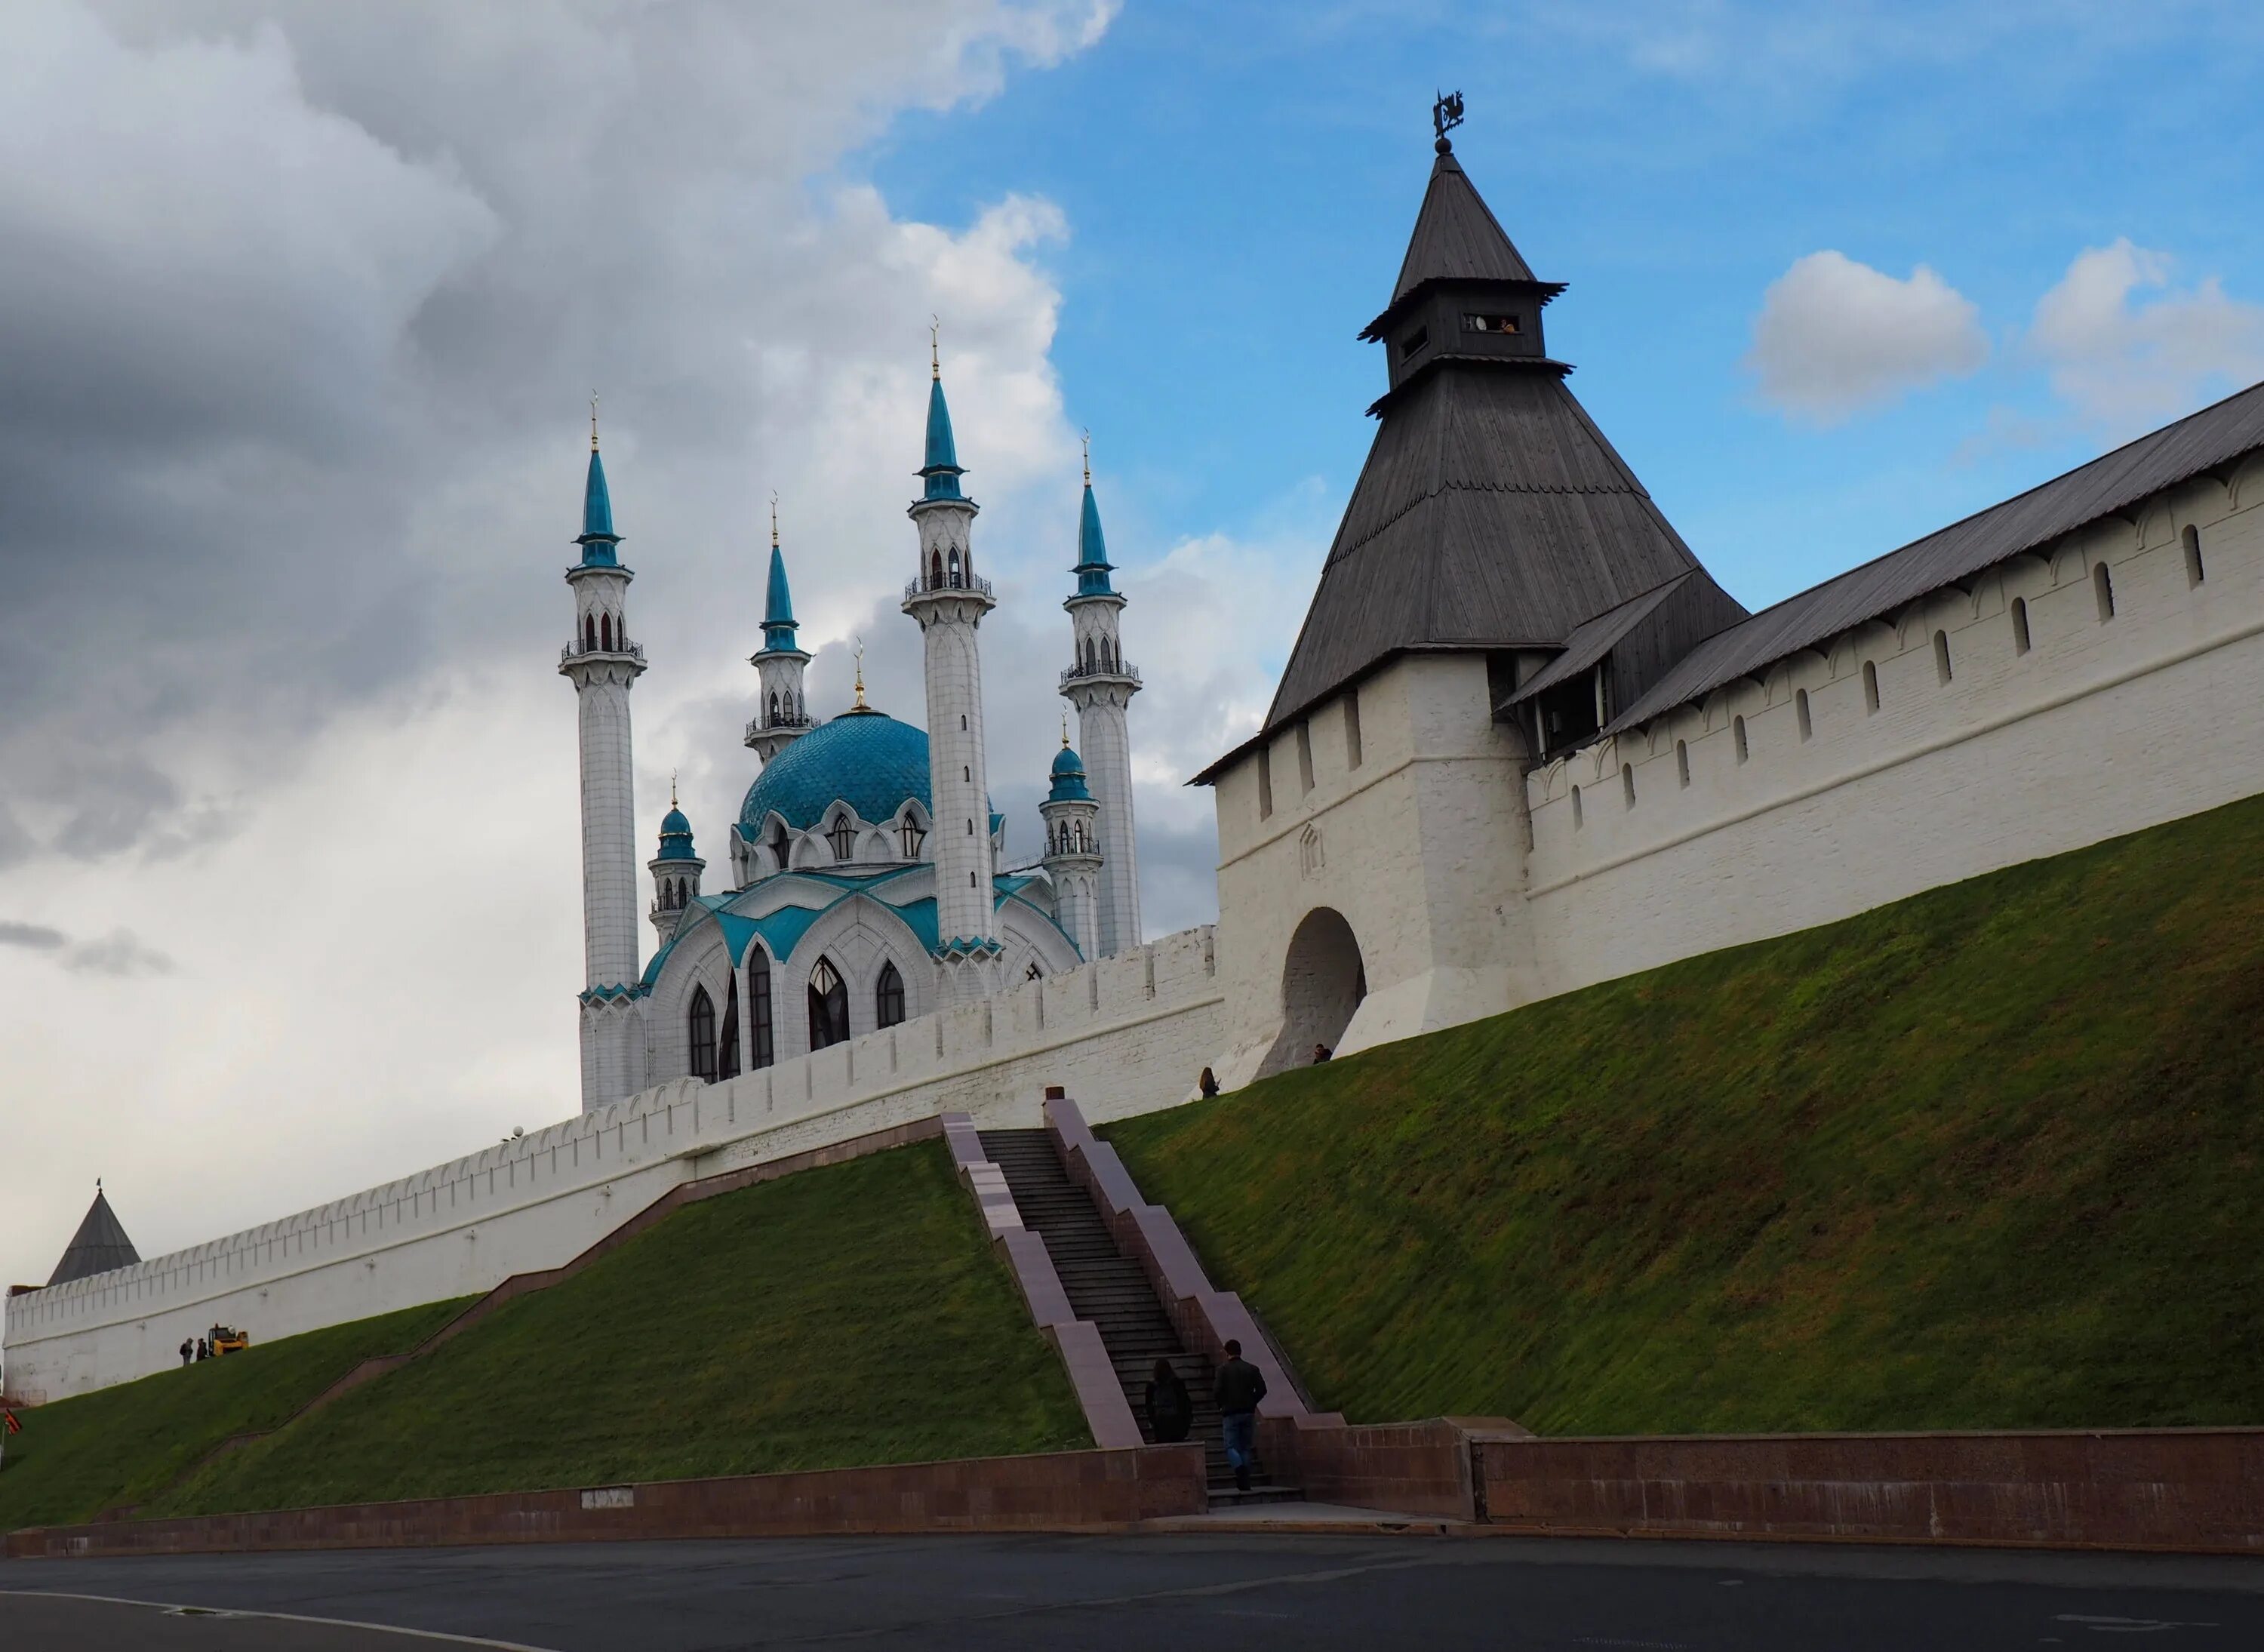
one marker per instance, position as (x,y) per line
(1073,849)
(948,600)
(602,663)
(675,871)
(1100,686)
(781,715)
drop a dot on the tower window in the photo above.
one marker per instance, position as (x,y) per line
(1305,757)
(2020,625)
(758,1004)
(889,997)
(1870,687)
(1800,707)
(781,846)
(1265,782)
(953,565)
(1738,731)
(1627,782)
(935,571)
(2102,586)
(1352,729)
(774,708)
(590,632)
(605,633)
(829,1006)
(2192,538)
(1942,657)
(911,835)
(1491,324)
(1579,816)
(843,836)
(1414,342)
(1682,761)
(699,1026)
(727,1050)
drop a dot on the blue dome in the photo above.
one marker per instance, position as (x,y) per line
(675,837)
(1069,776)
(864,758)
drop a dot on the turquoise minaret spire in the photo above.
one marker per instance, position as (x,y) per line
(597,537)
(1092,563)
(781,715)
(942,469)
(1100,686)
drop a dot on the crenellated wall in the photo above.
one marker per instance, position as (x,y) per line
(1129,1032)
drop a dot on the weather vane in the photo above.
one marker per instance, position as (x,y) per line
(671,789)
(860,652)
(774,519)
(593,421)
(1446,115)
(1088,458)
(935,346)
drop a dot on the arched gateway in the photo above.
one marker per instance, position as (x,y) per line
(1323,981)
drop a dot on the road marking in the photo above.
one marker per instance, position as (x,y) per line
(178,1609)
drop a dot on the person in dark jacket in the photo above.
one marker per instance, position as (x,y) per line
(204,1349)
(1171,1412)
(1239,1388)
(188,1350)
(1208,1084)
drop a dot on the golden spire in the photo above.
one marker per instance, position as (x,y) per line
(1088,458)
(860,705)
(774,519)
(671,783)
(934,347)
(593,421)
(1064,731)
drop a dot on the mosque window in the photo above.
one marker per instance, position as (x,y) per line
(2021,644)
(829,1006)
(762,1045)
(889,997)
(774,708)
(2192,539)
(2102,586)
(590,632)
(1870,687)
(699,1023)
(1682,761)
(954,567)
(605,633)
(781,846)
(726,1052)
(1942,657)
(935,571)
(1738,731)
(912,837)
(843,836)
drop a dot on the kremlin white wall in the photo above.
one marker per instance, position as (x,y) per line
(2102,726)
(1126,1035)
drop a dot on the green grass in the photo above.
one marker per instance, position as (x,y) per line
(118,1445)
(1988,1157)
(843,1316)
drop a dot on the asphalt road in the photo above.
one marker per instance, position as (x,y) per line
(1139,1594)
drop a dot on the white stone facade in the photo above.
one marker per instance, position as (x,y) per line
(950,609)
(1104,742)
(1126,1035)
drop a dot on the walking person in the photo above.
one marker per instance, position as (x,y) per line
(188,1352)
(204,1349)
(1239,1388)
(1208,1084)
(1170,1411)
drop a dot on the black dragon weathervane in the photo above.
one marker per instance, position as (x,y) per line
(1446,115)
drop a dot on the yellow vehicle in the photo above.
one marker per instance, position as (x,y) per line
(224,1341)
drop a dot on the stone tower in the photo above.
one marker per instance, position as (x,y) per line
(948,600)
(675,871)
(779,714)
(602,663)
(1073,858)
(1100,686)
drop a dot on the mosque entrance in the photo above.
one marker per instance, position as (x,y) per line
(1323,981)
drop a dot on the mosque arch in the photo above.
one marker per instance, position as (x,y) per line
(590,632)
(935,571)
(727,1047)
(605,631)
(699,1029)
(842,835)
(828,1005)
(1323,981)
(762,1029)
(889,996)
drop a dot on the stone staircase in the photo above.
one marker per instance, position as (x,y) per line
(1111,1290)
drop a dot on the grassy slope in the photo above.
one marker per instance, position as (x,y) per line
(78,1457)
(843,1315)
(1987,1157)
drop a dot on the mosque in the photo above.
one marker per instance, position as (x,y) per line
(865,885)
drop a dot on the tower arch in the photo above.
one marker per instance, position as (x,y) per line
(1323,981)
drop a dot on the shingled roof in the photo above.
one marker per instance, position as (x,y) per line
(2027,522)
(99,1246)
(1491,512)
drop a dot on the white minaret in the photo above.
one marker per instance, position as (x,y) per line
(1100,686)
(781,715)
(602,662)
(675,871)
(949,602)
(1073,849)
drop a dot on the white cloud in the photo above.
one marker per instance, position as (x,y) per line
(2126,367)
(1834,336)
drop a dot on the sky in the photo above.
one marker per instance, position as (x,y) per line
(302,305)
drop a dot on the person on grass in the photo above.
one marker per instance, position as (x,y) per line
(1171,1412)
(1239,1388)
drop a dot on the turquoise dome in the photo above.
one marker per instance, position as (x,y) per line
(864,758)
(675,837)
(1069,778)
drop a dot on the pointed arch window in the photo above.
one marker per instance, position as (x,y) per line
(828,1005)
(700,1025)
(762,1043)
(912,837)
(605,633)
(781,846)
(727,1051)
(954,568)
(935,571)
(843,836)
(889,997)
(590,632)
(774,708)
